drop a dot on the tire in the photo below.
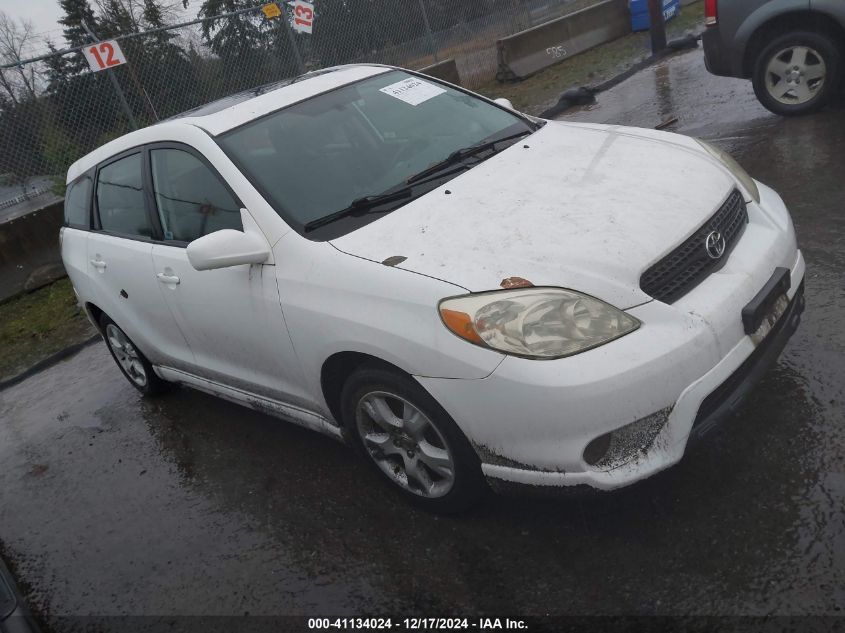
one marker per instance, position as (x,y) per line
(797,72)
(132,363)
(423,454)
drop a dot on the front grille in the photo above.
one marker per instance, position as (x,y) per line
(689,264)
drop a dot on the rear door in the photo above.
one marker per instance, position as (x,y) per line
(74,232)
(120,268)
(231,317)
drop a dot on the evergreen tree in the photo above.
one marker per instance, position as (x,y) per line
(75,13)
(58,69)
(116,19)
(168,75)
(252,51)
(235,37)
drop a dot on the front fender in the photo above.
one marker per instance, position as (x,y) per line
(334,302)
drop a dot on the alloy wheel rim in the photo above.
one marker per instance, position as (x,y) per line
(126,355)
(795,75)
(405,444)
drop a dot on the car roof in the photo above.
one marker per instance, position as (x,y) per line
(230,112)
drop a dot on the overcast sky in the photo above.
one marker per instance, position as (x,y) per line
(44,15)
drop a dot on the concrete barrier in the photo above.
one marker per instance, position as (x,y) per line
(525,53)
(446,70)
(29,250)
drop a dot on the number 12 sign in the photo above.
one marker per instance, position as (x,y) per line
(104,55)
(303,16)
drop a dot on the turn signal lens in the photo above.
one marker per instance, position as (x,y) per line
(460,324)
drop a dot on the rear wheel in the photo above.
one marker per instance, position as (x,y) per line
(134,365)
(797,72)
(411,441)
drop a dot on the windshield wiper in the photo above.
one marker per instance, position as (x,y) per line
(462,154)
(362,206)
(368,204)
(371,204)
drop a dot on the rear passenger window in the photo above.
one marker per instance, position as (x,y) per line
(78,204)
(120,198)
(191,199)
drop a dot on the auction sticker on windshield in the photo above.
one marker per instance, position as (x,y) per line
(413,91)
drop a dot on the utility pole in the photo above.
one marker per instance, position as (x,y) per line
(300,66)
(126,110)
(658,26)
(428,32)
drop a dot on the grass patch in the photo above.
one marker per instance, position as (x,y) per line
(36,325)
(592,67)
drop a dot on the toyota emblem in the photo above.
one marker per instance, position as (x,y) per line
(715,245)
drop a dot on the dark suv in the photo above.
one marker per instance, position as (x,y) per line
(793,50)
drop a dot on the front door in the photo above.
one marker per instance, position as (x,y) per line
(232,317)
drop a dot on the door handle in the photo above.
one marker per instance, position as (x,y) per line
(99,264)
(168,279)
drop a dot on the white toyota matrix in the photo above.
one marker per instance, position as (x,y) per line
(468,295)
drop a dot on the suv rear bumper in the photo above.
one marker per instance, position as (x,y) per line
(717,57)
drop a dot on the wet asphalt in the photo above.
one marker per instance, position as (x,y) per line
(112,504)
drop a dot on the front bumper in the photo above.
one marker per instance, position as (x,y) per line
(557,459)
(727,397)
(531,421)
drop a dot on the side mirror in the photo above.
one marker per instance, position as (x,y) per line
(506,103)
(228,247)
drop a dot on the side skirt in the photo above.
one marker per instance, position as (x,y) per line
(277,409)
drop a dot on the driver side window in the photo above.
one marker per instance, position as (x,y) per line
(190,198)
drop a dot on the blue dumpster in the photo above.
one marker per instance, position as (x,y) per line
(639,13)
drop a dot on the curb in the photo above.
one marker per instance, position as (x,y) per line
(25,291)
(675,46)
(48,362)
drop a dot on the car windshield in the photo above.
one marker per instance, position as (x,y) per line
(313,159)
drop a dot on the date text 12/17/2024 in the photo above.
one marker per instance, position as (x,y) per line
(417,624)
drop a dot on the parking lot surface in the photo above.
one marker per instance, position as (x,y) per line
(112,504)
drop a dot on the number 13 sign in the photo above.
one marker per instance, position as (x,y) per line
(103,55)
(303,16)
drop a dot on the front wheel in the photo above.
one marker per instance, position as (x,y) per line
(411,441)
(797,72)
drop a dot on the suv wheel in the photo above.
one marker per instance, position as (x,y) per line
(134,365)
(797,72)
(411,441)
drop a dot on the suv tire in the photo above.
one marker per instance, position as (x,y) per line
(797,72)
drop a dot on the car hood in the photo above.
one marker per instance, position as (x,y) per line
(579,206)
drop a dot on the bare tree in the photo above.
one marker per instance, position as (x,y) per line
(127,16)
(15,41)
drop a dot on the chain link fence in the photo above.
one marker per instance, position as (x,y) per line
(54,109)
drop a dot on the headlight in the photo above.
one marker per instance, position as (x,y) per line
(535,323)
(735,168)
